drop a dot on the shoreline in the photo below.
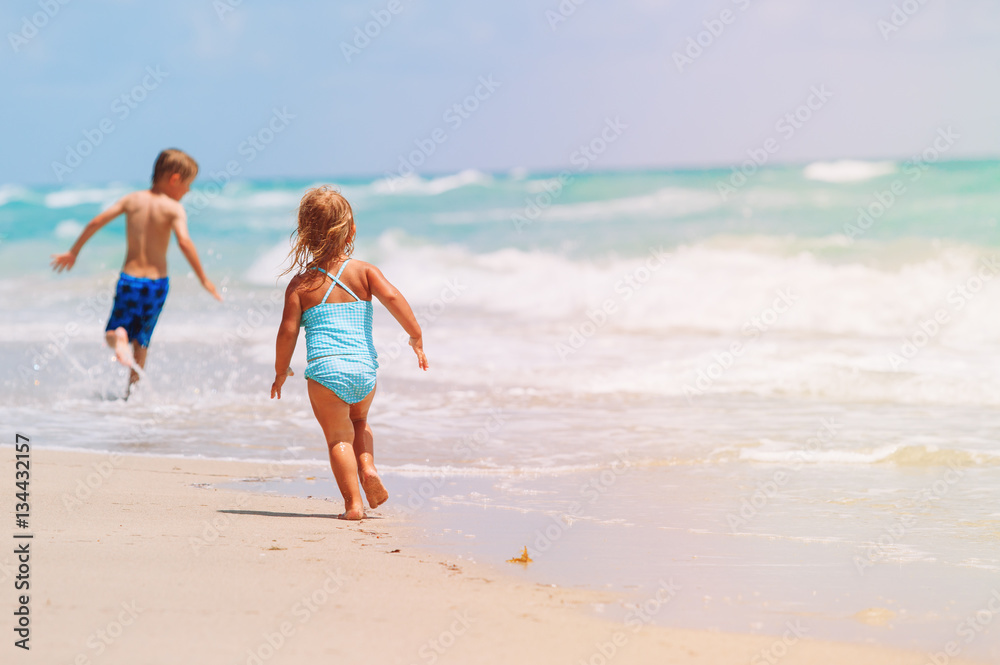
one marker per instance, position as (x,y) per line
(155,564)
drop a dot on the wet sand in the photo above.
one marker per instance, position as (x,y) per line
(142,559)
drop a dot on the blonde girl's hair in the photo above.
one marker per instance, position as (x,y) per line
(324,231)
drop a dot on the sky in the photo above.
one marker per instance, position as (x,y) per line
(290,90)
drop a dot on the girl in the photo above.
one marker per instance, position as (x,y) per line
(331,297)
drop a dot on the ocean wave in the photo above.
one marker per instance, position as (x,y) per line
(67,198)
(666,202)
(9,193)
(274,199)
(847,170)
(737,280)
(68,229)
(900,455)
(414,184)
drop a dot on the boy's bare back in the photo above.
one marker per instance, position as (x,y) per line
(149,219)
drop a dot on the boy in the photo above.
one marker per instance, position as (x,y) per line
(150,215)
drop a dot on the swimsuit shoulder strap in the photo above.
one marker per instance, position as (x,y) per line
(336,280)
(332,284)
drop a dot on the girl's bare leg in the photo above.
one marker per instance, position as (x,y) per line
(333,415)
(364,452)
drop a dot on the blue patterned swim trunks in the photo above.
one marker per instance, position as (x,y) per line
(138,301)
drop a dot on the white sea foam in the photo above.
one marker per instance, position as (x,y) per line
(736,283)
(902,455)
(267,267)
(414,184)
(10,193)
(66,198)
(277,199)
(847,170)
(68,229)
(666,202)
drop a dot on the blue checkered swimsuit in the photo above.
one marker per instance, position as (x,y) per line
(339,349)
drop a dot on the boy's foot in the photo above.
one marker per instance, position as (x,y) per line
(123,350)
(375,491)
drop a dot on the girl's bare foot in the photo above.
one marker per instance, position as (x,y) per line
(123,351)
(353,513)
(375,492)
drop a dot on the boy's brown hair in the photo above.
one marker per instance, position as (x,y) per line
(172,161)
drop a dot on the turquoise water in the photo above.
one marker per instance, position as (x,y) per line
(782,398)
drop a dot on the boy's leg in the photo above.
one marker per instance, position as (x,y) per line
(333,415)
(139,353)
(364,452)
(117,339)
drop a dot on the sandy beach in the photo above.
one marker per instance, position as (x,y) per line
(141,560)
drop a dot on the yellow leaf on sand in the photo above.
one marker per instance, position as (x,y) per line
(523,559)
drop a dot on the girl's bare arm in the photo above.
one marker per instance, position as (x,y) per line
(394,301)
(288,335)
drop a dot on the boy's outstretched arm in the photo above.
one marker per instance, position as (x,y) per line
(288,335)
(66,260)
(191,253)
(394,301)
